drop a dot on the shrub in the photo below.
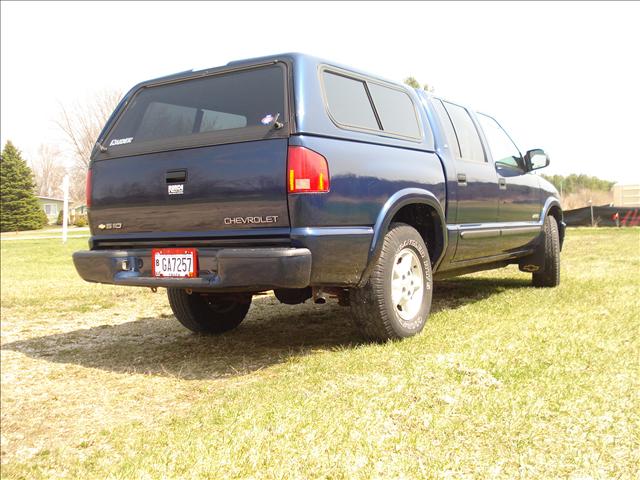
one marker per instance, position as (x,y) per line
(81,221)
(60,216)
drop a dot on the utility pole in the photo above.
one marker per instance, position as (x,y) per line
(65,211)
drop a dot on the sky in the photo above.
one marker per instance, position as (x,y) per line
(564,77)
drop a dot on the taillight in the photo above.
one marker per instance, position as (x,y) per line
(88,188)
(307,171)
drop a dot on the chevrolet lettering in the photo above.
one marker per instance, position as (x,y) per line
(317,181)
(253,220)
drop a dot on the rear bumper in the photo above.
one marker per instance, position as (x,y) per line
(242,269)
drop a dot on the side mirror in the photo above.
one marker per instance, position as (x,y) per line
(535,159)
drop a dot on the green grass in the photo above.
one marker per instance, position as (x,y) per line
(46,230)
(38,278)
(506,381)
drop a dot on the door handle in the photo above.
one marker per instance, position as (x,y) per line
(502,183)
(462,179)
(176,176)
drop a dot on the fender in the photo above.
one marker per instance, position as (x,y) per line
(402,198)
(550,202)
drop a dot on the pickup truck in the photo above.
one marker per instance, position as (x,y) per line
(311,179)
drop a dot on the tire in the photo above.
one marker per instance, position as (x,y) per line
(549,275)
(203,313)
(383,313)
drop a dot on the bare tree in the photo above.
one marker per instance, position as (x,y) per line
(49,170)
(81,124)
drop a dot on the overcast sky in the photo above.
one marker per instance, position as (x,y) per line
(561,76)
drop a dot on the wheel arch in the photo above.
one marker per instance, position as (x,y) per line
(418,208)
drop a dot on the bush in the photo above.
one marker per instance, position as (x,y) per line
(60,216)
(81,221)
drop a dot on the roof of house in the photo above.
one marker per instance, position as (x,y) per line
(50,198)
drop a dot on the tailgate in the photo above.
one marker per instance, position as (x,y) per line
(201,190)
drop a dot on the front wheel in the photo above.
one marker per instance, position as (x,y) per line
(549,274)
(396,300)
(203,313)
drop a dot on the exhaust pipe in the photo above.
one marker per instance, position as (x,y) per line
(318,296)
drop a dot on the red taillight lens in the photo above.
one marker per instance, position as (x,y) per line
(307,171)
(88,188)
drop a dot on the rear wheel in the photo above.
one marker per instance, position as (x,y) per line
(203,313)
(549,275)
(396,300)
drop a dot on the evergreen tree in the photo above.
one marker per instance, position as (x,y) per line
(19,207)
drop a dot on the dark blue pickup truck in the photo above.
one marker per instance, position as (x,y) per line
(297,175)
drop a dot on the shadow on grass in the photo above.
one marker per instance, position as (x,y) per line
(271,334)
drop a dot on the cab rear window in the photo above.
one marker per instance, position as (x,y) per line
(243,103)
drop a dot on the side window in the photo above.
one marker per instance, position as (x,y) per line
(449,132)
(503,150)
(396,110)
(468,138)
(349,102)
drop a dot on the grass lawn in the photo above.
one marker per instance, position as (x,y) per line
(47,231)
(506,381)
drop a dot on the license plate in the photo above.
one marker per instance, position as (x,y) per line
(175,262)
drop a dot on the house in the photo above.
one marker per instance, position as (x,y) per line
(626,195)
(78,210)
(51,207)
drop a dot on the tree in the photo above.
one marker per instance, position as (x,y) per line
(48,170)
(20,209)
(412,82)
(81,124)
(577,182)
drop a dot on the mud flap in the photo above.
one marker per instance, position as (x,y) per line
(535,261)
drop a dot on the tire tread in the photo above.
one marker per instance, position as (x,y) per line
(368,302)
(193,313)
(549,276)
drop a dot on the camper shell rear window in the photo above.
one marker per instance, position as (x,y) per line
(227,107)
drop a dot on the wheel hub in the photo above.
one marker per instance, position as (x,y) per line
(407,282)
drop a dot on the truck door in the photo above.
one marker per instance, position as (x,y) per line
(476,190)
(520,204)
